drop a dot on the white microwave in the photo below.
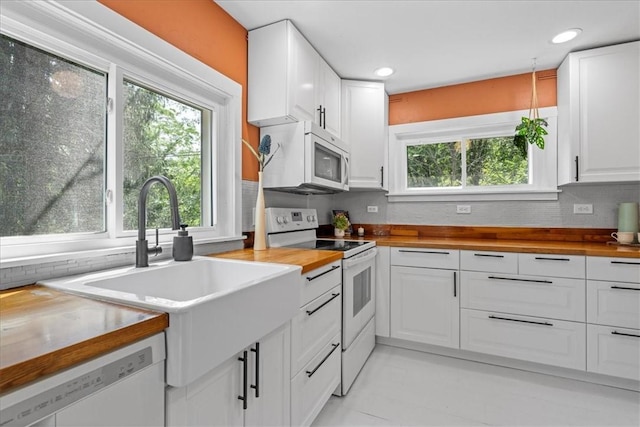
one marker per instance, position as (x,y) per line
(309,160)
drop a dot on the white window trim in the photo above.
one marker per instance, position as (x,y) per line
(81,29)
(544,172)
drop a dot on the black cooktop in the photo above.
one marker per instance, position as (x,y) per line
(330,245)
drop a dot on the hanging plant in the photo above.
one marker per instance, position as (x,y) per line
(531,130)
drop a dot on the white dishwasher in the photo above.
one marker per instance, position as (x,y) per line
(125,387)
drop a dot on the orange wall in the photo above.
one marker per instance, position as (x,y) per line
(205,31)
(469,99)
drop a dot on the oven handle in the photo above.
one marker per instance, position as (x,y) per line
(359,259)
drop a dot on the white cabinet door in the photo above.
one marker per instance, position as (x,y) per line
(364,125)
(303,77)
(598,110)
(424,306)
(269,393)
(613,351)
(613,303)
(383,291)
(136,401)
(328,98)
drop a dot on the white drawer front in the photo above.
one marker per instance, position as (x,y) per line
(527,295)
(552,265)
(319,281)
(498,262)
(552,342)
(613,304)
(613,351)
(424,257)
(316,324)
(313,385)
(613,269)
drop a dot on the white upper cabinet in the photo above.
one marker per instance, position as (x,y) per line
(289,81)
(598,110)
(365,119)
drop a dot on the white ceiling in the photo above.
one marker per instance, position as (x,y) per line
(437,43)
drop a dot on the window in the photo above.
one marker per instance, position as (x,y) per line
(470,158)
(90,115)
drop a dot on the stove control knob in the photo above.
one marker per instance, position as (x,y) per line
(286,220)
(313,218)
(279,220)
(310,218)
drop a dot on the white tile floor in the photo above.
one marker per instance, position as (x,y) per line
(409,388)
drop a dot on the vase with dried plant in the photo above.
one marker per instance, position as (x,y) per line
(263,157)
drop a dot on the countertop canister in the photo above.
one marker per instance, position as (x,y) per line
(628,217)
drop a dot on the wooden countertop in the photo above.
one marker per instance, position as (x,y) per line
(43,331)
(499,245)
(308,259)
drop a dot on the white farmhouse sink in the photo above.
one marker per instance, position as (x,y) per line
(216,306)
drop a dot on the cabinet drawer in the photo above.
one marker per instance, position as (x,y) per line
(319,281)
(556,298)
(613,269)
(613,351)
(552,342)
(313,385)
(423,257)
(613,304)
(498,262)
(316,324)
(552,265)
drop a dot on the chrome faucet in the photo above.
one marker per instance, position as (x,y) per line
(142,250)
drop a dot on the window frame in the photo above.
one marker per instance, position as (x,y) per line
(542,163)
(95,36)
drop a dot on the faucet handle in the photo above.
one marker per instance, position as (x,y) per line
(157,249)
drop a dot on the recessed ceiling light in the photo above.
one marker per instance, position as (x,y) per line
(565,36)
(384,71)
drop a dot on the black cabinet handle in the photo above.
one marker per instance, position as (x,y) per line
(333,296)
(521,280)
(577,168)
(520,320)
(319,110)
(542,258)
(381,176)
(256,386)
(625,288)
(424,252)
(625,262)
(323,273)
(310,373)
(455,275)
(245,361)
(624,334)
(489,255)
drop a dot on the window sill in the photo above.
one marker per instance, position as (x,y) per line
(471,196)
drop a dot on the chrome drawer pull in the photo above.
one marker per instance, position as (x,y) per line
(625,288)
(425,252)
(310,373)
(625,262)
(323,273)
(542,258)
(624,334)
(521,280)
(489,255)
(333,296)
(521,321)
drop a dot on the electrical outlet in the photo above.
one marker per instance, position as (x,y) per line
(584,209)
(372,209)
(463,209)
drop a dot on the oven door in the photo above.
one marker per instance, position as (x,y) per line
(326,165)
(358,294)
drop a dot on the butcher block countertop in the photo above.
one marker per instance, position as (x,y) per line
(306,258)
(43,331)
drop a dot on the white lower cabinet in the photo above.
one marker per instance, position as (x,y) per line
(613,351)
(313,385)
(425,305)
(383,291)
(260,375)
(552,342)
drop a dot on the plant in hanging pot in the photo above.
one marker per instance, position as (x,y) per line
(263,157)
(531,130)
(340,224)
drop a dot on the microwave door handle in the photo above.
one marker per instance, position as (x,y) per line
(346,169)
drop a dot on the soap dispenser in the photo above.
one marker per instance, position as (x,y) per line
(183,245)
